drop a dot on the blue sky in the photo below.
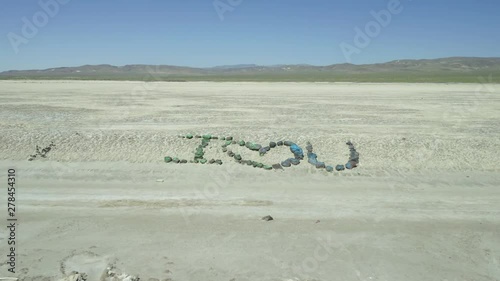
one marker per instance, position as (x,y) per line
(266,32)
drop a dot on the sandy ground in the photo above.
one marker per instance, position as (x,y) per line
(424,204)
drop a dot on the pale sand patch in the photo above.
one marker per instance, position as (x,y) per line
(423,204)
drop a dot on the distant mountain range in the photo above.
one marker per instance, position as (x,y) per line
(455,69)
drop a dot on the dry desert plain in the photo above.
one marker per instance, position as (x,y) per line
(424,203)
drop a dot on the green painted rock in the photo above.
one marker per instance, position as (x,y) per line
(228,142)
(189,136)
(207,137)
(253,146)
(203,161)
(241,143)
(267,167)
(176,160)
(237,157)
(260,165)
(199,153)
(168,159)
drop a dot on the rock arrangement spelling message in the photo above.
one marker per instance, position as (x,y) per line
(297,152)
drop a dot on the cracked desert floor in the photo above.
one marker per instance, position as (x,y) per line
(424,203)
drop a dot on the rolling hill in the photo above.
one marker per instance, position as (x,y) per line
(454,69)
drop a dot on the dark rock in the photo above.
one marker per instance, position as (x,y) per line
(320,165)
(267,218)
(280,143)
(277,167)
(272,144)
(309,147)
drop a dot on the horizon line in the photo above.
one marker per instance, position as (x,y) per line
(252,64)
